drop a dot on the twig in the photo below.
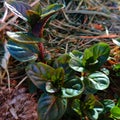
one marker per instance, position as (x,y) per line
(8,78)
(101,36)
(21,82)
(66,48)
(80,3)
(34,3)
(89,12)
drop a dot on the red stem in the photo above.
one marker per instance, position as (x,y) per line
(42,51)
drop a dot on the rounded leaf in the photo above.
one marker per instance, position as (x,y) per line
(95,56)
(115,111)
(51,107)
(98,81)
(39,73)
(108,104)
(76,61)
(50,88)
(76,65)
(72,88)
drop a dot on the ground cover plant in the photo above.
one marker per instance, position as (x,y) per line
(69,83)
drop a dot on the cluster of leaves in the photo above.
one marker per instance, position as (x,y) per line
(69,76)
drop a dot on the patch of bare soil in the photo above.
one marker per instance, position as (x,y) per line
(17,104)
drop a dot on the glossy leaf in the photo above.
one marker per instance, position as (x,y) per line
(63,61)
(90,106)
(58,75)
(33,17)
(51,9)
(94,113)
(76,54)
(24,37)
(72,88)
(116,41)
(115,112)
(19,8)
(76,65)
(22,52)
(76,106)
(108,104)
(95,56)
(57,80)
(51,107)
(37,8)
(40,73)
(50,88)
(88,57)
(76,61)
(98,81)
(37,28)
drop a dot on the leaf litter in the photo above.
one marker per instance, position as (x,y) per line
(81,24)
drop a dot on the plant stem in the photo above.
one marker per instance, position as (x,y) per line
(42,51)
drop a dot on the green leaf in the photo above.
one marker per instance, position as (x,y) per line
(76,106)
(76,61)
(76,65)
(50,88)
(98,106)
(58,75)
(51,9)
(40,73)
(63,61)
(93,114)
(116,68)
(33,17)
(118,103)
(89,107)
(88,57)
(72,88)
(76,54)
(51,107)
(37,8)
(95,56)
(98,81)
(57,80)
(22,52)
(24,37)
(19,8)
(37,29)
(115,111)
(108,104)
